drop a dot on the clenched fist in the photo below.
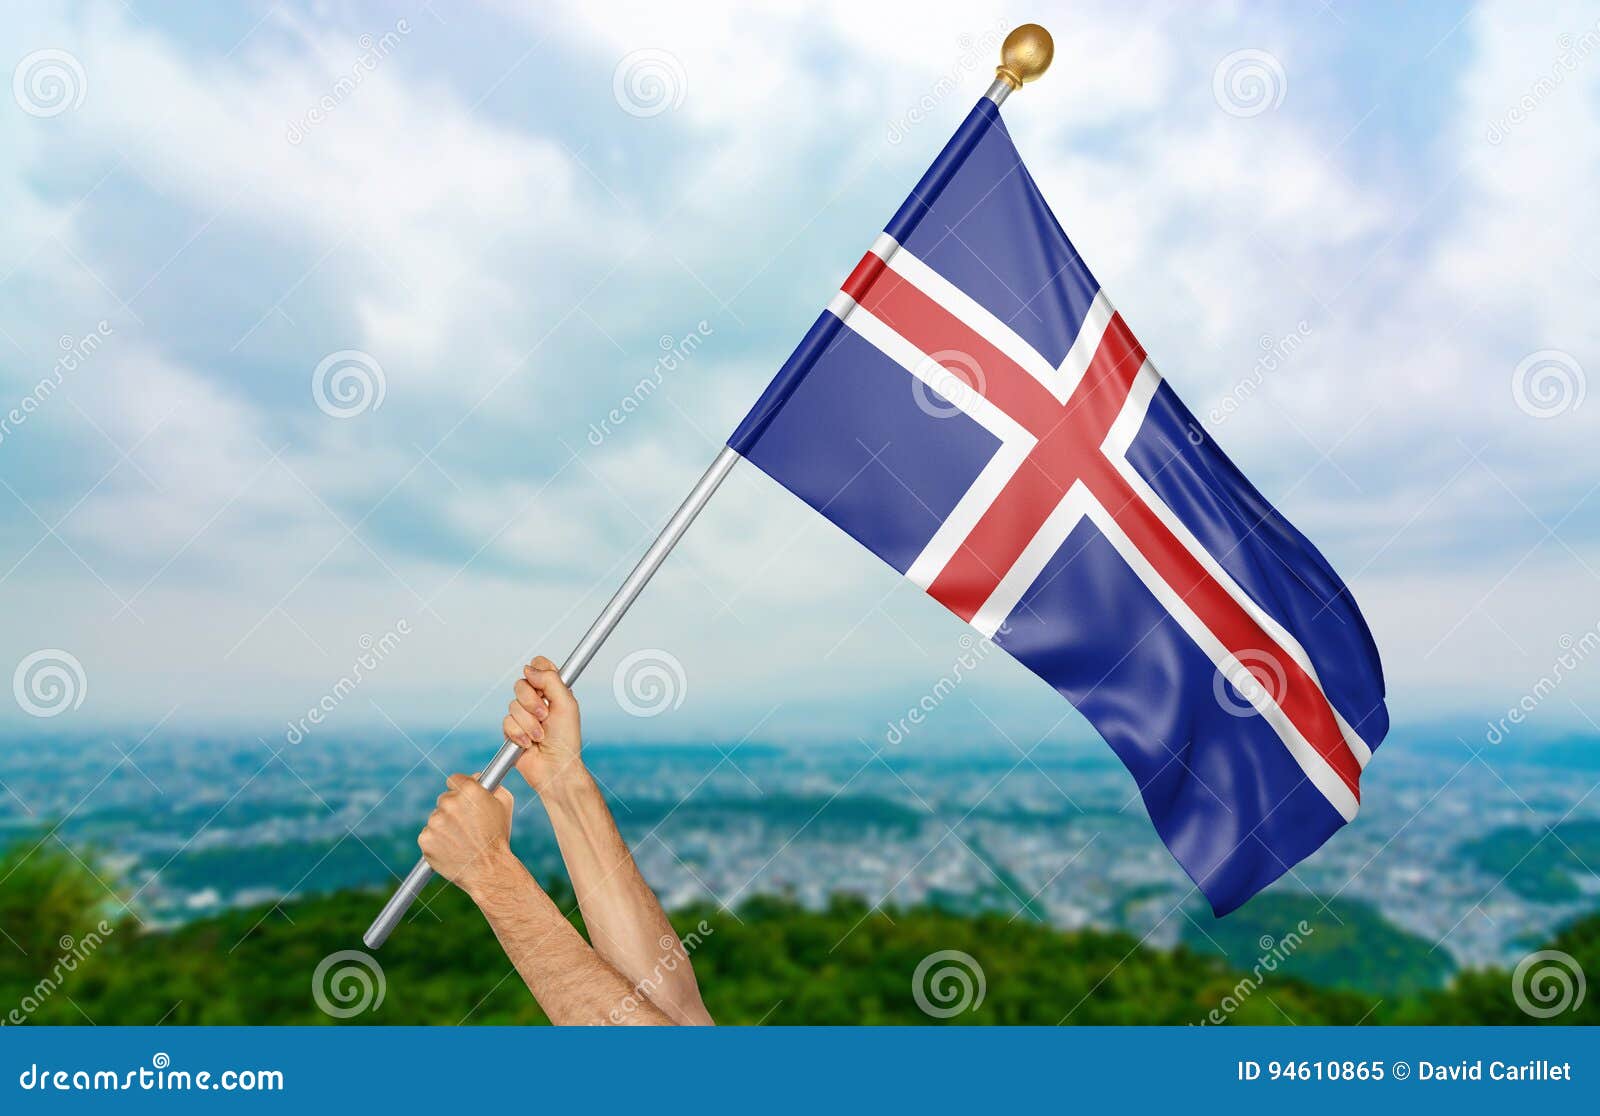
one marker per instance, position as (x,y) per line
(543,720)
(468,835)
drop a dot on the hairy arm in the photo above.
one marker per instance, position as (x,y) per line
(624,918)
(572,983)
(467,840)
(625,921)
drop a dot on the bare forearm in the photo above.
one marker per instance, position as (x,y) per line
(571,982)
(624,919)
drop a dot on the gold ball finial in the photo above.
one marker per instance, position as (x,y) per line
(1025,55)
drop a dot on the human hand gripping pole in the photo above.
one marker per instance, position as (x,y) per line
(417,879)
(1024,56)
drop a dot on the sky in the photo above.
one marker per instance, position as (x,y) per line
(313,320)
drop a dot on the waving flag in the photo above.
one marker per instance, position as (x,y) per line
(972,409)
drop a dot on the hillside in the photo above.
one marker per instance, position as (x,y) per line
(768,962)
(1551,866)
(1347,945)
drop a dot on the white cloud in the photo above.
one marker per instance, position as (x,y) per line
(451,243)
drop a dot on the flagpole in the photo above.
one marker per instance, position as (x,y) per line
(1025,54)
(417,879)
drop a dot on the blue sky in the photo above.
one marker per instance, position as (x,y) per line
(512,213)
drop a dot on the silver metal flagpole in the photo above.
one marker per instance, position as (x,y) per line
(417,879)
(1025,54)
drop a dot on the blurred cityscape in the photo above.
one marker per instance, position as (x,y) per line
(1469,852)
